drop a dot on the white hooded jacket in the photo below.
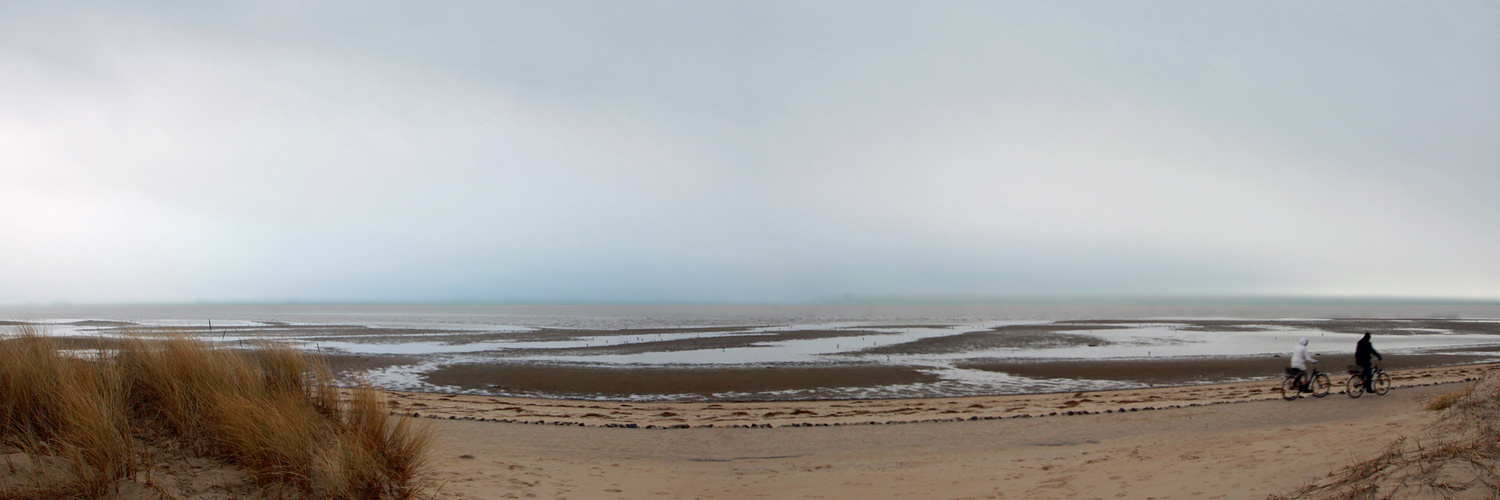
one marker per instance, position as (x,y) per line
(1300,358)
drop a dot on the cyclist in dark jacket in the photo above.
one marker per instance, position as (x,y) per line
(1362,352)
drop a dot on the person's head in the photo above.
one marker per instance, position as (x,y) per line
(1367,335)
(1302,342)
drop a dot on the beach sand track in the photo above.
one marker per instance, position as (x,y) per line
(1247,450)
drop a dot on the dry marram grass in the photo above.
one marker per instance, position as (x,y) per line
(88,426)
(1457,457)
(66,413)
(1444,401)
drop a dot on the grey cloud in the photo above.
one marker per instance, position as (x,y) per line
(746,151)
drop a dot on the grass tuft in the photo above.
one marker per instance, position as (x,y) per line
(75,423)
(1447,400)
(65,407)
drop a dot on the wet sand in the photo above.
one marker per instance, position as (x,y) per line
(864,373)
(732,340)
(707,382)
(1198,370)
(1376,326)
(1002,337)
(835,360)
(760,383)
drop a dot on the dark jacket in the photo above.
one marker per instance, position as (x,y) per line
(1363,350)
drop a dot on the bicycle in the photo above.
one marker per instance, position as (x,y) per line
(1291,387)
(1355,386)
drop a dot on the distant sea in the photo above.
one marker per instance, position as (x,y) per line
(703,352)
(614,317)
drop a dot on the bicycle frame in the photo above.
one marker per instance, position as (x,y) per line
(1355,385)
(1310,380)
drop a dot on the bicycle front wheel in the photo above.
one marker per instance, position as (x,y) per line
(1382,384)
(1289,388)
(1355,386)
(1321,385)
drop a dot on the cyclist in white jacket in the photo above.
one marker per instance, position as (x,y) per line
(1300,359)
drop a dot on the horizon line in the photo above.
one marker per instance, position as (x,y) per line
(876,300)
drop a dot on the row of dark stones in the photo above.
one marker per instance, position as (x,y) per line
(797,424)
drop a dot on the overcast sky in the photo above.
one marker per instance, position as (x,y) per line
(756,151)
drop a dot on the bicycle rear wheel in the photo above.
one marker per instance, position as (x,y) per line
(1355,386)
(1289,388)
(1382,384)
(1321,385)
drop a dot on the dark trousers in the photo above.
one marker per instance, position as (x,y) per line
(1364,374)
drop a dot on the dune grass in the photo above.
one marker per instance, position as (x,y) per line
(67,409)
(85,424)
(1445,401)
(1456,457)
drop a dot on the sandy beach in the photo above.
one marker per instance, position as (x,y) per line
(1212,441)
(1161,408)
